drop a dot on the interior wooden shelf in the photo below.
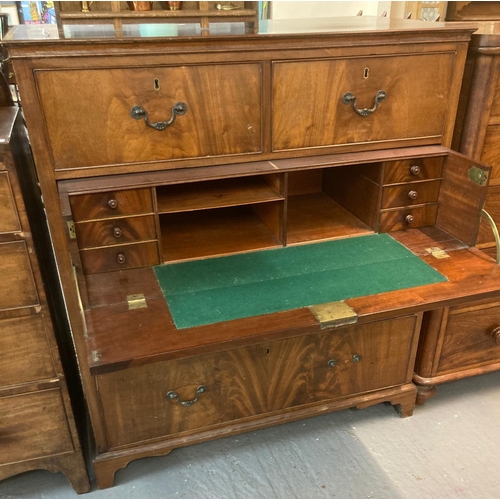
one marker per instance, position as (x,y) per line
(316,216)
(207,233)
(214,194)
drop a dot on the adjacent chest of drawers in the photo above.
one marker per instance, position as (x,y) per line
(160,151)
(37,427)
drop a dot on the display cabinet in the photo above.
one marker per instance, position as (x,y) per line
(251,228)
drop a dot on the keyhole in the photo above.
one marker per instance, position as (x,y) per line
(268,351)
(366,73)
(156,84)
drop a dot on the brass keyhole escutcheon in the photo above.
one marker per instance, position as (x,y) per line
(366,73)
(156,84)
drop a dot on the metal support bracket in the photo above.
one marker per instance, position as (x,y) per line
(494,228)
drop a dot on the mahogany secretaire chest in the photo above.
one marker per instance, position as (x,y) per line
(225,208)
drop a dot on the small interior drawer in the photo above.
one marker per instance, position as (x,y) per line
(418,169)
(414,193)
(111,204)
(114,258)
(408,218)
(115,231)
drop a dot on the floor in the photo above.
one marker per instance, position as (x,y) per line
(450,448)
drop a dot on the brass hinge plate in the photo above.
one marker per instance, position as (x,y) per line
(96,356)
(334,314)
(437,252)
(478,176)
(136,301)
(71,230)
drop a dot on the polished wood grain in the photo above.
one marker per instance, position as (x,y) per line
(414,193)
(218,97)
(105,259)
(408,218)
(402,171)
(115,231)
(309,112)
(26,355)
(491,150)
(111,204)
(492,206)
(9,222)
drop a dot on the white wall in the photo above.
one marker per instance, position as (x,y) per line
(305,9)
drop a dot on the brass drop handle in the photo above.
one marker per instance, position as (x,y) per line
(349,98)
(412,195)
(495,335)
(138,112)
(415,169)
(117,232)
(173,397)
(112,203)
(121,259)
(409,219)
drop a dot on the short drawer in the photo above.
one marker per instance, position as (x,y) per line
(492,206)
(408,218)
(32,426)
(419,169)
(115,231)
(186,395)
(310,107)
(222,113)
(9,220)
(18,286)
(414,193)
(115,258)
(472,337)
(86,207)
(24,351)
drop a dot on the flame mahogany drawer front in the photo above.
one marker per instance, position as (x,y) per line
(414,193)
(115,231)
(396,172)
(184,395)
(218,113)
(407,218)
(315,102)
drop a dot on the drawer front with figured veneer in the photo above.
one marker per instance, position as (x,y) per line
(408,218)
(33,425)
(363,100)
(24,351)
(115,231)
(414,193)
(151,113)
(18,286)
(418,169)
(86,207)
(115,258)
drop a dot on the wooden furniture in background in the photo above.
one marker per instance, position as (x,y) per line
(206,146)
(120,13)
(465,340)
(473,11)
(37,428)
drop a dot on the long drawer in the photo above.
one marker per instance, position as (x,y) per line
(222,113)
(184,395)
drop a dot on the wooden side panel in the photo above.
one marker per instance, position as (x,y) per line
(28,425)
(461,200)
(492,206)
(18,287)
(24,351)
(491,150)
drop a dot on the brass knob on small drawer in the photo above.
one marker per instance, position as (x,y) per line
(112,203)
(412,195)
(117,232)
(409,219)
(415,169)
(331,363)
(121,259)
(495,335)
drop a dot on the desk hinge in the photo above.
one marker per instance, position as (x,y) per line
(136,301)
(96,356)
(477,175)
(71,230)
(334,314)
(437,252)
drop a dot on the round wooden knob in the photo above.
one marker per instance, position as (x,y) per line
(409,219)
(415,169)
(121,259)
(112,203)
(117,232)
(412,195)
(495,335)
